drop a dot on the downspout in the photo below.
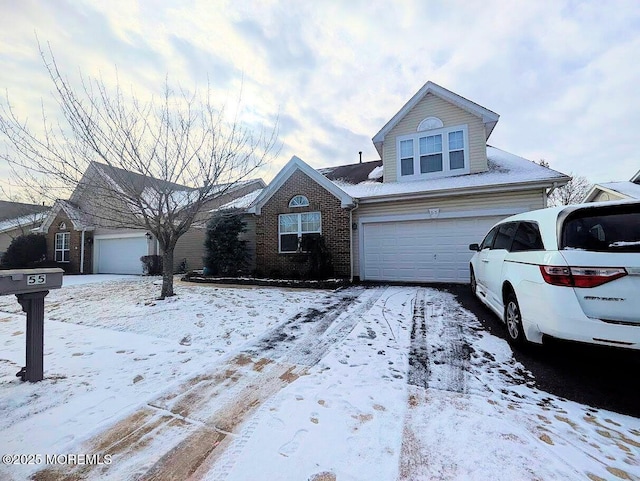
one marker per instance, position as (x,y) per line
(82,252)
(351,239)
(546,197)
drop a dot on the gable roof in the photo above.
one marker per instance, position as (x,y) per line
(629,189)
(352,173)
(14,210)
(625,189)
(506,171)
(489,118)
(294,164)
(120,178)
(79,219)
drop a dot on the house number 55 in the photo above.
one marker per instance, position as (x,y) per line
(36,279)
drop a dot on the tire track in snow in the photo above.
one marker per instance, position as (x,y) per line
(203,416)
(439,359)
(439,354)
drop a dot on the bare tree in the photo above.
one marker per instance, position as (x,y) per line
(573,192)
(151,165)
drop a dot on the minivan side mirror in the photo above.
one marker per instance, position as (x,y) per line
(474,247)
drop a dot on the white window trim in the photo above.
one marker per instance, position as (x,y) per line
(446,166)
(299,196)
(63,250)
(300,231)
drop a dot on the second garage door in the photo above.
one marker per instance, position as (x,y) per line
(120,255)
(435,250)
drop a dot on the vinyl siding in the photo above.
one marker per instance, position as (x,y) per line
(523,201)
(191,246)
(451,115)
(604,196)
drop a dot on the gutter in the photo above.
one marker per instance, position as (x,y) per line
(460,191)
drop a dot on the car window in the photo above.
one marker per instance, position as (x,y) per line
(504,237)
(605,229)
(488,240)
(527,238)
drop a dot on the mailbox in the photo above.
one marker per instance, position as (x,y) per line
(22,281)
(30,287)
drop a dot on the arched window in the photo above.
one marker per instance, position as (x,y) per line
(299,201)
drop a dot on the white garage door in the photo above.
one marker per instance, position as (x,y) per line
(120,255)
(435,250)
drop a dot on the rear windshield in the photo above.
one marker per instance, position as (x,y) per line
(604,229)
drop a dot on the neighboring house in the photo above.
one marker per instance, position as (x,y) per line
(17,219)
(615,190)
(88,237)
(443,188)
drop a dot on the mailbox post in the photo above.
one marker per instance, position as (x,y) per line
(31,287)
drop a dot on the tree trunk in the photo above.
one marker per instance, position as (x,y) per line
(167,273)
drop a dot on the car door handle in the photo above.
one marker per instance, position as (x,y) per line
(485,260)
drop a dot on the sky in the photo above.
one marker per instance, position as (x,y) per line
(562,75)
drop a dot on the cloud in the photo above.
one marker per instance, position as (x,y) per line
(203,63)
(561,74)
(284,46)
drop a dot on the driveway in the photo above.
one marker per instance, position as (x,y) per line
(594,375)
(359,384)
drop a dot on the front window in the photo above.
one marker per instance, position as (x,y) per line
(436,153)
(504,237)
(299,201)
(456,150)
(293,228)
(431,154)
(488,240)
(62,247)
(406,157)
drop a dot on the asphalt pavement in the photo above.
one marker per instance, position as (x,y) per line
(601,377)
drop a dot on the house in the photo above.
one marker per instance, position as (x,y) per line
(16,219)
(615,190)
(442,189)
(97,231)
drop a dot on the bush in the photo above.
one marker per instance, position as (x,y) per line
(225,253)
(25,251)
(151,265)
(319,257)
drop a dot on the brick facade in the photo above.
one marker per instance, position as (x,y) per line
(75,239)
(335,222)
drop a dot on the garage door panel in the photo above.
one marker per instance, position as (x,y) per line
(120,255)
(434,250)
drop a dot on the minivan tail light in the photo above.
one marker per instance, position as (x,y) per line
(580,276)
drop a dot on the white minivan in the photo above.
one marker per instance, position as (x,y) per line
(569,272)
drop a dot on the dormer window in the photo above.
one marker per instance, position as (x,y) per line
(433,153)
(299,201)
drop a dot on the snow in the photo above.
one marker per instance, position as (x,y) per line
(282,384)
(504,168)
(25,220)
(241,202)
(626,188)
(75,280)
(376,173)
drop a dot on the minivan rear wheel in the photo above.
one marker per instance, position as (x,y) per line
(513,320)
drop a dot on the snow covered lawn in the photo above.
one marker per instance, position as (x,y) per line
(264,383)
